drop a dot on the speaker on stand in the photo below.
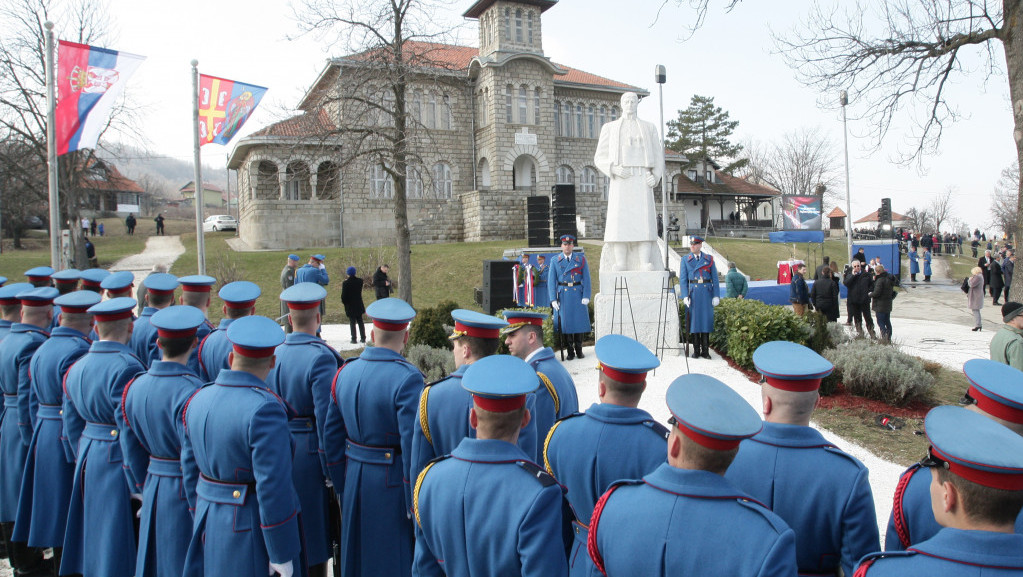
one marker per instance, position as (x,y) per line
(497,291)
(538,221)
(563,200)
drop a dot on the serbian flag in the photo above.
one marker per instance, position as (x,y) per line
(89,81)
(224,106)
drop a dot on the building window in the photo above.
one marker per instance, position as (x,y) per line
(417,106)
(602,183)
(536,106)
(591,122)
(523,105)
(589,181)
(442,180)
(565,175)
(507,24)
(710,176)
(614,113)
(445,113)
(557,118)
(566,119)
(529,27)
(431,110)
(691,174)
(508,103)
(518,26)
(603,116)
(579,121)
(483,109)
(380,185)
(413,183)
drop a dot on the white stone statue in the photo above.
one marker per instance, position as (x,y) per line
(630,153)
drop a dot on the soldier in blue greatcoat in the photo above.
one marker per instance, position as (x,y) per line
(302,376)
(40,276)
(367,440)
(118,284)
(239,301)
(507,517)
(556,398)
(100,536)
(236,465)
(314,271)
(152,432)
(822,492)
(698,286)
(568,287)
(19,412)
(994,392)
(443,417)
(914,264)
(613,440)
(927,264)
(92,279)
(10,306)
(49,471)
(159,295)
(685,518)
(65,281)
(195,291)
(975,467)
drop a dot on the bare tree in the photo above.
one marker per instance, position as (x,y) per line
(941,208)
(1004,204)
(801,162)
(919,220)
(700,8)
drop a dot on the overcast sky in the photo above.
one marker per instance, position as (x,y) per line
(731,59)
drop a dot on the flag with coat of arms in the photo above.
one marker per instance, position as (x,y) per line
(224,106)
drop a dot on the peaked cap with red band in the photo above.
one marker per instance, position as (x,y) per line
(113,309)
(39,273)
(94,277)
(790,366)
(254,336)
(474,324)
(118,283)
(997,388)
(500,383)
(390,314)
(77,302)
(240,294)
(67,276)
(38,297)
(161,283)
(197,283)
(9,293)
(177,322)
(710,412)
(975,447)
(624,359)
(518,319)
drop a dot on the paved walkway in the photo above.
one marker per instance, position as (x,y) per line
(159,250)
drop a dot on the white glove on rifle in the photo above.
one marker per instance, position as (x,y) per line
(556,305)
(283,569)
(586,302)
(685,301)
(714,301)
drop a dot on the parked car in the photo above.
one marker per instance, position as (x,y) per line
(34,222)
(219,222)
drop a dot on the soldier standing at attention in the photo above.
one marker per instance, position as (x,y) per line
(612,440)
(92,279)
(556,397)
(367,439)
(568,286)
(19,414)
(118,284)
(239,301)
(302,377)
(822,492)
(100,537)
(65,281)
(443,418)
(685,518)
(159,295)
(10,306)
(49,472)
(195,292)
(490,483)
(698,283)
(976,493)
(152,432)
(287,281)
(236,464)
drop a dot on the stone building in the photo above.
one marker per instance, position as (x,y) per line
(489,126)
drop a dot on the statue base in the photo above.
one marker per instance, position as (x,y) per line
(637,309)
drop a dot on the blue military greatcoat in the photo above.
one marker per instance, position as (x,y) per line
(568,282)
(698,280)
(49,472)
(213,352)
(236,463)
(556,398)
(443,421)
(589,451)
(688,522)
(914,262)
(487,511)
(143,337)
(5,328)
(310,273)
(201,333)
(367,439)
(18,413)
(302,377)
(951,553)
(100,537)
(821,492)
(152,432)
(927,263)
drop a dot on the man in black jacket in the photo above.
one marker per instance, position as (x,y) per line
(858,302)
(381,283)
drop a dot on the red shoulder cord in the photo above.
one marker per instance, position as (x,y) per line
(591,537)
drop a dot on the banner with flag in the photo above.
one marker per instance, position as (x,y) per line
(89,81)
(224,106)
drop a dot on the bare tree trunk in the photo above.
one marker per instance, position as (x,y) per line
(1013,46)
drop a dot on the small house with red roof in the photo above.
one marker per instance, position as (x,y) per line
(212,195)
(103,189)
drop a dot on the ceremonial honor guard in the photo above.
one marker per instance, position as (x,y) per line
(698,284)
(100,536)
(543,299)
(239,301)
(236,462)
(10,306)
(524,279)
(994,392)
(556,397)
(302,376)
(611,441)
(489,482)
(19,413)
(367,439)
(118,284)
(316,272)
(821,492)
(195,291)
(443,418)
(92,279)
(568,286)
(40,276)
(65,281)
(685,518)
(152,433)
(160,289)
(914,264)
(976,490)
(50,469)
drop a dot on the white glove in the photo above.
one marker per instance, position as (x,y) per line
(556,305)
(651,180)
(284,569)
(714,301)
(586,302)
(685,301)
(322,266)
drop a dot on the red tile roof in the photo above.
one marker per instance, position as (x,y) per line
(311,123)
(108,178)
(726,186)
(872,217)
(837,213)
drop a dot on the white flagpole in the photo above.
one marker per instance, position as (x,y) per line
(51,150)
(200,243)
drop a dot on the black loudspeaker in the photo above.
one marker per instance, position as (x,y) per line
(498,277)
(563,200)
(538,221)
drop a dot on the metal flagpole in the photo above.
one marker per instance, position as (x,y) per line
(51,150)
(844,100)
(660,76)
(200,243)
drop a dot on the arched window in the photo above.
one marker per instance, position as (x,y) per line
(589,180)
(602,184)
(442,180)
(523,104)
(296,184)
(565,175)
(482,108)
(431,110)
(536,106)
(328,181)
(614,113)
(445,114)
(591,120)
(380,184)
(557,118)
(413,183)
(579,121)
(518,26)
(566,119)
(508,90)
(603,116)
(529,27)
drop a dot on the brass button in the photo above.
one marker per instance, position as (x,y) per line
(309,425)
(113,433)
(61,412)
(236,494)
(387,455)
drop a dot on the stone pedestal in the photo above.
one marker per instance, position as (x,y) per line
(641,306)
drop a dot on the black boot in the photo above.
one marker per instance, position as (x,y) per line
(697,342)
(25,560)
(706,345)
(579,345)
(567,341)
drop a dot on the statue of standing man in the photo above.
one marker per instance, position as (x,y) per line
(630,153)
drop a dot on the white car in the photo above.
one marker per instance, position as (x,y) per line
(219,222)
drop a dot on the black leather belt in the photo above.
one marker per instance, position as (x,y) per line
(700,281)
(568,283)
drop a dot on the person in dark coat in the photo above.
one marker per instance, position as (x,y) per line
(984,263)
(799,295)
(881,297)
(859,281)
(997,281)
(351,297)
(824,294)
(1008,266)
(381,283)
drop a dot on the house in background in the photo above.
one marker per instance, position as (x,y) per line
(212,195)
(721,201)
(103,190)
(871,221)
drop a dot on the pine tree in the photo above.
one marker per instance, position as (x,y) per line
(703,131)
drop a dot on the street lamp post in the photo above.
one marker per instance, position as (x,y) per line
(660,76)
(843,99)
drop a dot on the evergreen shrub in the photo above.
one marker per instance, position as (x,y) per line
(741,325)
(879,372)
(428,326)
(435,363)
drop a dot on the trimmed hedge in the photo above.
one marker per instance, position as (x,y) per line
(428,326)
(742,325)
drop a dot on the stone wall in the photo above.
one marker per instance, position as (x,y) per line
(494,215)
(282,224)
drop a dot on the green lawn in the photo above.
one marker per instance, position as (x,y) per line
(759,259)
